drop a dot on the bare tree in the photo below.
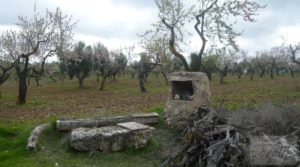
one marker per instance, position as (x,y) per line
(294,53)
(5,67)
(38,37)
(212,22)
(226,58)
(250,63)
(273,58)
(260,64)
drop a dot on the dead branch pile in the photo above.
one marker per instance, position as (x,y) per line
(215,138)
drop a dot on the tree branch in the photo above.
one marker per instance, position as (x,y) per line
(201,33)
(293,56)
(34,50)
(41,71)
(172,47)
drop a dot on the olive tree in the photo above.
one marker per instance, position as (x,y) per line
(100,56)
(37,38)
(145,65)
(80,63)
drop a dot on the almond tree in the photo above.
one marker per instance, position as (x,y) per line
(37,38)
(225,59)
(274,57)
(261,66)
(214,20)
(294,53)
(5,67)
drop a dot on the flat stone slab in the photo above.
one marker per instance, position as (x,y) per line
(146,118)
(133,126)
(111,138)
(143,118)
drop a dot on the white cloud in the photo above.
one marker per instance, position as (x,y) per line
(115,23)
(290,33)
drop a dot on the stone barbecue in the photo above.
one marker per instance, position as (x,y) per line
(188,92)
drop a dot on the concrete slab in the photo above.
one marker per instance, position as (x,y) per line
(133,126)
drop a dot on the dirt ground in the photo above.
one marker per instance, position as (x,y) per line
(54,100)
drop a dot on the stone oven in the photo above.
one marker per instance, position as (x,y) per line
(188,92)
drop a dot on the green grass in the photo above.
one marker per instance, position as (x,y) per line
(52,101)
(53,149)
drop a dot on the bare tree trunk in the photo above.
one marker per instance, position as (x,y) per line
(262,73)
(240,75)
(22,89)
(271,73)
(141,78)
(98,77)
(28,81)
(165,77)
(292,72)
(51,77)
(37,81)
(277,72)
(145,75)
(102,83)
(80,82)
(251,77)
(222,77)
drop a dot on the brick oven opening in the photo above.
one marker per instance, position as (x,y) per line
(182,90)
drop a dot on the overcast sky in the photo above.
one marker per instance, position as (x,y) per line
(117,22)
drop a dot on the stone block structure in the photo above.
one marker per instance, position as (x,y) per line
(188,92)
(111,138)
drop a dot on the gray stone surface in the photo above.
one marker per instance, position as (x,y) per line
(107,139)
(133,126)
(183,101)
(111,138)
(69,124)
(146,118)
